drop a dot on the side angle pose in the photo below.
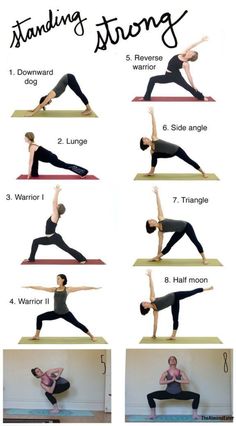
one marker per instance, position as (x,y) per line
(66,80)
(174,378)
(160,303)
(39,153)
(52,382)
(173,74)
(162,149)
(60,308)
(179,227)
(51,236)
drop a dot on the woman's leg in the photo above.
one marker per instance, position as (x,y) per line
(161,395)
(173,240)
(185,395)
(179,79)
(59,242)
(71,319)
(47,316)
(73,167)
(162,79)
(73,84)
(183,156)
(192,236)
(59,388)
(45,241)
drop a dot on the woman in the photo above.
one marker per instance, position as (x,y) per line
(51,236)
(60,308)
(173,74)
(39,153)
(174,378)
(179,227)
(52,382)
(66,80)
(162,149)
(160,303)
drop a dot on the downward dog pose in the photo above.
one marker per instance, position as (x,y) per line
(173,378)
(51,236)
(160,303)
(39,153)
(52,382)
(162,149)
(179,227)
(66,80)
(173,74)
(60,308)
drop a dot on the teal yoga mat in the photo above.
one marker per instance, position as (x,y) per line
(43,412)
(178,419)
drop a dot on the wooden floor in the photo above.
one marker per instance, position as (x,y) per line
(99,417)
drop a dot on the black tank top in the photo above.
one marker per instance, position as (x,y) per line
(43,155)
(50,227)
(174,64)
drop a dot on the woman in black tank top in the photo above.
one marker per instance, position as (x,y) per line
(173,74)
(38,153)
(51,236)
(178,227)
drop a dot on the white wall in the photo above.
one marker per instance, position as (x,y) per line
(205,369)
(82,368)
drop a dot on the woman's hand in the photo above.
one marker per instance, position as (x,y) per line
(155,189)
(205,38)
(151,110)
(57,188)
(149,272)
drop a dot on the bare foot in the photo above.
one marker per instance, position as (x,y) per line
(209,288)
(205,175)
(54,411)
(34,338)
(155,259)
(206,99)
(196,417)
(171,338)
(82,262)
(94,339)
(152,417)
(205,262)
(87,111)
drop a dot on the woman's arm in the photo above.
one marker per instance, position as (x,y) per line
(186,67)
(49,97)
(154,127)
(160,214)
(39,287)
(151,286)
(205,38)
(184,378)
(31,160)
(54,373)
(163,380)
(73,289)
(55,214)
(160,242)
(48,389)
(155,322)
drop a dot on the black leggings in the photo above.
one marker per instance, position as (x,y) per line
(59,242)
(73,84)
(171,77)
(59,388)
(179,153)
(52,315)
(183,395)
(189,231)
(52,159)
(180,295)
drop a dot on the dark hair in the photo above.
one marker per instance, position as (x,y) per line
(33,371)
(63,277)
(150,229)
(172,356)
(61,209)
(194,57)
(142,145)
(143,310)
(41,101)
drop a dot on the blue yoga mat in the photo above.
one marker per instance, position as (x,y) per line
(175,419)
(43,412)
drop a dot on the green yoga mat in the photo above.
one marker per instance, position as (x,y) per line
(61,341)
(176,176)
(181,340)
(54,113)
(177,262)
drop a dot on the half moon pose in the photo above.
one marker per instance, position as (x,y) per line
(52,382)
(173,74)
(66,80)
(51,236)
(159,303)
(162,149)
(173,378)
(60,308)
(179,227)
(39,153)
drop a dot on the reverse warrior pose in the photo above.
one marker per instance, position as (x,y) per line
(51,236)
(52,382)
(60,308)
(173,378)
(179,227)
(171,299)
(162,149)
(173,74)
(66,80)
(39,153)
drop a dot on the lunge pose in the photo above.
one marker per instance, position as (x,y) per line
(60,308)
(162,149)
(52,382)
(179,227)
(173,378)
(160,303)
(173,74)
(39,153)
(51,236)
(66,80)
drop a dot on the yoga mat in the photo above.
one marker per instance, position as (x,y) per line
(180,418)
(43,412)
(62,262)
(58,177)
(61,341)
(177,262)
(184,340)
(24,420)
(54,113)
(172,99)
(176,176)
